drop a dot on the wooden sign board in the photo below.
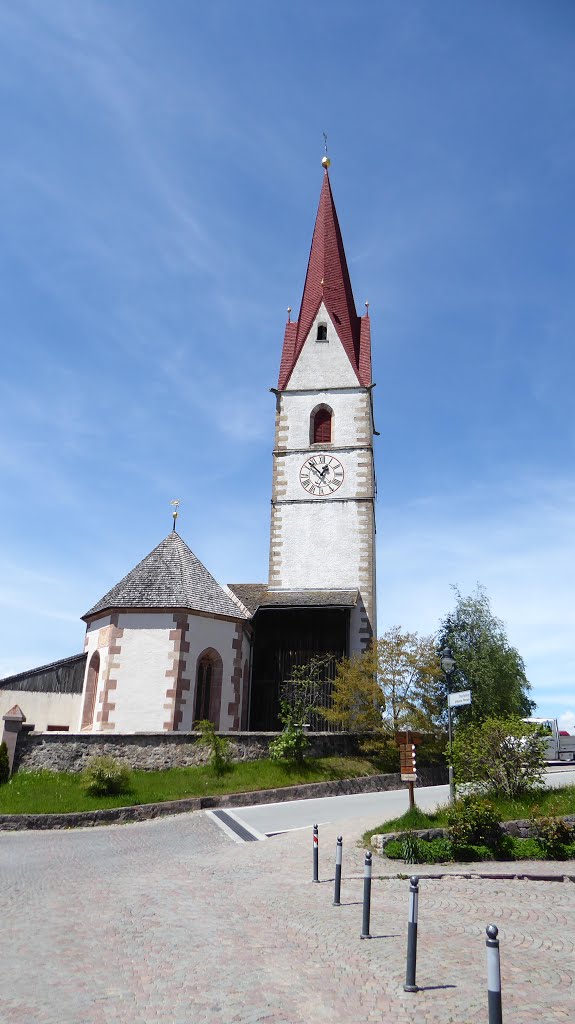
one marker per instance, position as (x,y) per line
(408,737)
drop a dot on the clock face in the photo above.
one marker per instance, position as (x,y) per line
(321,475)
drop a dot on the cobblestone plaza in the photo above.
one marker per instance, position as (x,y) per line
(170,920)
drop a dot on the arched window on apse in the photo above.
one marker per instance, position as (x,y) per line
(208,687)
(321,431)
(91,691)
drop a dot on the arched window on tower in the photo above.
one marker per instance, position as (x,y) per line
(321,332)
(321,428)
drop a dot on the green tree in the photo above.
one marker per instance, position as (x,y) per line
(485,661)
(505,754)
(357,702)
(395,684)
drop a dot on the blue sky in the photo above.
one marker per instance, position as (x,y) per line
(159,182)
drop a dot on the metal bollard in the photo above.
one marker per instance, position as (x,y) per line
(315,853)
(410,985)
(493,975)
(338,860)
(366,897)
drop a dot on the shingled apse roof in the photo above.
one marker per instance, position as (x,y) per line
(328,280)
(169,577)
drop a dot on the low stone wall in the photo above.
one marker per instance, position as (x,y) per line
(522,828)
(68,752)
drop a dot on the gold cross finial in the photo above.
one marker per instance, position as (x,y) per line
(175,504)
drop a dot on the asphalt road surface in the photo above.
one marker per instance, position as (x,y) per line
(270,819)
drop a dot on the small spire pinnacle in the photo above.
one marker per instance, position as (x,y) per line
(326,162)
(366,308)
(175,503)
(289,314)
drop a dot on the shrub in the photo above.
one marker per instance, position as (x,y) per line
(105,776)
(506,754)
(414,850)
(4,763)
(290,745)
(525,849)
(555,836)
(474,821)
(220,756)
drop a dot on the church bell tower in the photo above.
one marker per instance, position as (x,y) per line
(322,543)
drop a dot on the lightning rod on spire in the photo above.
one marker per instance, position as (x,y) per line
(326,162)
(175,504)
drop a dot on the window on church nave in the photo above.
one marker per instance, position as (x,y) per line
(321,332)
(321,433)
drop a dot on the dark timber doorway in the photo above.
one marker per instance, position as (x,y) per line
(284,638)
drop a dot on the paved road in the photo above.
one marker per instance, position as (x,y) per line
(270,819)
(171,921)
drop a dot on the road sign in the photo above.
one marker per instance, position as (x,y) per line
(456,700)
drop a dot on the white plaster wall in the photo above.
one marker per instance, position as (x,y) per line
(43,709)
(353,480)
(345,405)
(321,545)
(323,364)
(219,634)
(147,652)
(97,639)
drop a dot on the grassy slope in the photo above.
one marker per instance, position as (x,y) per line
(45,792)
(547,802)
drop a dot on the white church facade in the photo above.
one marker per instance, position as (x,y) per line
(168,645)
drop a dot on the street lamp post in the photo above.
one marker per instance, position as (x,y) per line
(448,664)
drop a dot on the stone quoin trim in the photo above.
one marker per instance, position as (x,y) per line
(236,679)
(93,677)
(114,651)
(175,694)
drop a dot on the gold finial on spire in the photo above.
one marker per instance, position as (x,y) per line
(289,314)
(175,503)
(326,162)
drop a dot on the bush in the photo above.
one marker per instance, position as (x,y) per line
(4,763)
(506,754)
(290,745)
(555,837)
(105,776)
(220,756)
(474,822)
(525,849)
(419,851)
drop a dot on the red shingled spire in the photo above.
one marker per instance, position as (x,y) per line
(327,279)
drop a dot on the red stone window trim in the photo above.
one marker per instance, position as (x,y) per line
(208,687)
(91,691)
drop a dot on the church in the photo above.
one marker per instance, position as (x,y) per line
(168,645)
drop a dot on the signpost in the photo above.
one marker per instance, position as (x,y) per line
(407,742)
(457,700)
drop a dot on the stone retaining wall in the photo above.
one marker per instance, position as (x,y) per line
(141,812)
(522,828)
(68,752)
